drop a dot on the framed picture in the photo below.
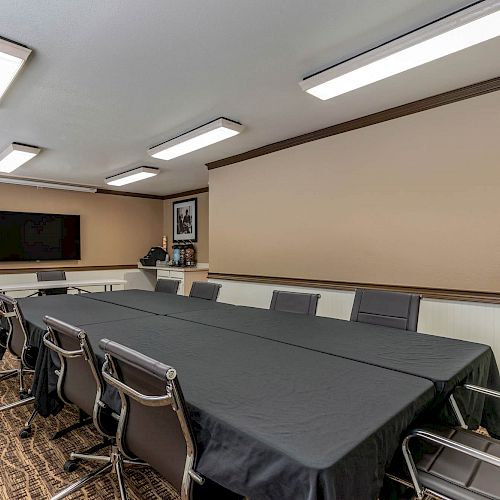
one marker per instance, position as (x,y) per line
(185,220)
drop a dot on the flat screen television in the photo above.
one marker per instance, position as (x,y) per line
(33,236)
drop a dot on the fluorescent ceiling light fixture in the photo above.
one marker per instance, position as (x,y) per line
(48,185)
(451,34)
(134,175)
(201,137)
(15,156)
(12,58)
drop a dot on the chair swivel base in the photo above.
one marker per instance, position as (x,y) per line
(73,463)
(112,464)
(25,396)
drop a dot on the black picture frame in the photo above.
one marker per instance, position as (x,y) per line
(183,231)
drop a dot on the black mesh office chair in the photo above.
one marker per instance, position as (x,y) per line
(80,383)
(55,275)
(18,345)
(295,302)
(456,463)
(152,399)
(205,290)
(167,286)
(393,309)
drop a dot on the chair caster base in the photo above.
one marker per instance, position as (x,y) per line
(25,433)
(71,465)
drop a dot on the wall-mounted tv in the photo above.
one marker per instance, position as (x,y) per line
(33,236)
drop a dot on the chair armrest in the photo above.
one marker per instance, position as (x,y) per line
(8,314)
(442,441)
(62,352)
(448,443)
(136,395)
(482,390)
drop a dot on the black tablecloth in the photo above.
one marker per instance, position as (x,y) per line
(277,422)
(280,409)
(74,310)
(157,302)
(444,361)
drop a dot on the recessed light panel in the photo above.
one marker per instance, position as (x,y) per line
(12,58)
(452,34)
(15,156)
(201,137)
(134,175)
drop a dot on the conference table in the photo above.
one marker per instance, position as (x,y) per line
(283,406)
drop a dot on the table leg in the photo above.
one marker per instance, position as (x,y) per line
(110,288)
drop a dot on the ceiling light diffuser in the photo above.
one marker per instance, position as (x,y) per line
(134,175)
(208,134)
(12,58)
(46,184)
(451,34)
(15,156)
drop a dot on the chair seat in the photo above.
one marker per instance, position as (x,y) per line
(455,474)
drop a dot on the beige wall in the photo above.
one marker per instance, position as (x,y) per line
(202,243)
(115,230)
(413,201)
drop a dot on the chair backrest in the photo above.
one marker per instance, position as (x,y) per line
(53,275)
(295,302)
(205,290)
(17,340)
(167,286)
(394,309)
(154,420)
(79,381)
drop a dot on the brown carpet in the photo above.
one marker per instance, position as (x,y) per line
(33,468)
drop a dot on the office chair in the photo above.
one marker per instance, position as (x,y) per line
(80,383)
(55,275)
(152,399)
(453,463)
(167,286)
(205,290)
(393,309)
(18,345)
(294,302)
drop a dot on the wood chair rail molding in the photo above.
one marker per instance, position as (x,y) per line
(474,90)
(428,293)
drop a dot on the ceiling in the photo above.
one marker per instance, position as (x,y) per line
(107,80)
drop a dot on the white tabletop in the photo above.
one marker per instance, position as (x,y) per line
(42,285)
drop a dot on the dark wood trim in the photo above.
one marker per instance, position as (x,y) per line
(127,193)
(428,293)
(410,108)
(20,270)
(186,193)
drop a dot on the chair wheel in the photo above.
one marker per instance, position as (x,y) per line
(24,394)
(25,433)
(71,465)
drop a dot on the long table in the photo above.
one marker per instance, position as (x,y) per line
(157,303)
(278,414)
(76,284)
(274,421)
(446,362)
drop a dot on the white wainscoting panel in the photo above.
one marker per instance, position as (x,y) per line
(473,321)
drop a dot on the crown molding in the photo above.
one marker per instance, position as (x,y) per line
(460,94)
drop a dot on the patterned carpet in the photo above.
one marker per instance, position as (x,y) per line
(33,468)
